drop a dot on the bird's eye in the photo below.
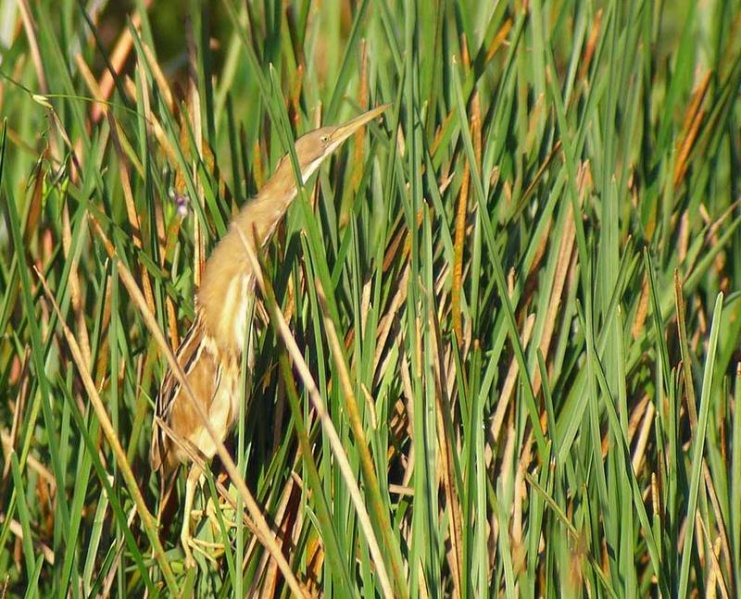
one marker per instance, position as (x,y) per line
(325,139)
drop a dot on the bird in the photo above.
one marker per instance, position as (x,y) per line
(211,353)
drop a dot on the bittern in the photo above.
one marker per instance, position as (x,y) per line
(211,353)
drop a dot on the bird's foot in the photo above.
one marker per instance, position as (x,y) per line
(225,513)
(209,549)
(186,543)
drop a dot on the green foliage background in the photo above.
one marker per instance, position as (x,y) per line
(517,294)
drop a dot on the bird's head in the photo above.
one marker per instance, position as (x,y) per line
(316,146)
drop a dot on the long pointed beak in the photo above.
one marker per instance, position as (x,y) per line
(316,146)
(342,132)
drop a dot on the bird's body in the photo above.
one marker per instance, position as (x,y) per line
(211,354)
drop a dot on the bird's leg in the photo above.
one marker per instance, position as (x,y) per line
(190,489)
(195,479)
(221,510)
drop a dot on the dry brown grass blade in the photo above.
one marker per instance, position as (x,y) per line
(591,45)
(163,86)
(169,241)
(566,262)
(17,531)
(498,40)
(462,214)
(9,440)
(386,322)
(194,107)
(33,43)
(510,381)
(123,172)
(538,176)
(639,321)
(693,120)
(689,386)
(91,82)
(715,577)
(131,210)
(460,238)
(117,60)
(646,412)
(75,288)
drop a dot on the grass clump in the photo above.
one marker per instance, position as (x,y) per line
(515,296)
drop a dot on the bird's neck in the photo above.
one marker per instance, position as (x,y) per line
(228,279)
(259,217)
